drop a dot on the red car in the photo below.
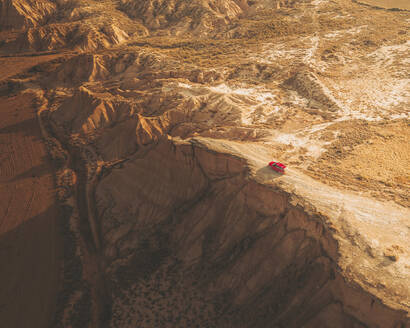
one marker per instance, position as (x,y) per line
(278,167)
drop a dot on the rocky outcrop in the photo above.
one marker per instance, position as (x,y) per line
(190,236)
(239,251)
(187,227)
(72,36)
(64,24)
(18,14)
(86,112)
(179,16)
(308,85)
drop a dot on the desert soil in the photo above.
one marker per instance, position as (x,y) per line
(30,242)
(402,4)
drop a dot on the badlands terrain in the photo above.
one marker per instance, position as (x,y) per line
(134,142)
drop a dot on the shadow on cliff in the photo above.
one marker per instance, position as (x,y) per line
(266,173)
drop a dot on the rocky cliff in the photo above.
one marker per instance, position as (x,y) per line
(160,118)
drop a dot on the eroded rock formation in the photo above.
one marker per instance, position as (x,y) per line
(23,14)
(170,216)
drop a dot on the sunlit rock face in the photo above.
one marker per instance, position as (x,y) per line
(160,118)
(23,14)
(199,16)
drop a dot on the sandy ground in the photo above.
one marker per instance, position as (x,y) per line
(402,4)
(11,66)
(372,158)
(29,240)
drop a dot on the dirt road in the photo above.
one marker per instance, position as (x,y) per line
(30,245)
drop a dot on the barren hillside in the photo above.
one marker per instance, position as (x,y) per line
(155,206)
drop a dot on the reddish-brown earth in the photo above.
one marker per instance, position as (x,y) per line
(30,241)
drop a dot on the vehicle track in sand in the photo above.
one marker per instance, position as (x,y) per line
(30,243)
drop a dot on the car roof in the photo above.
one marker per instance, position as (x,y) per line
(277,164)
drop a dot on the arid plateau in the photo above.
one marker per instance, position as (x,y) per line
(135,137)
